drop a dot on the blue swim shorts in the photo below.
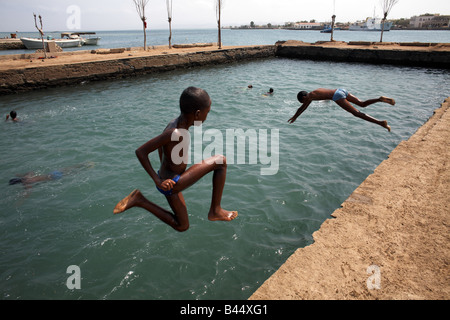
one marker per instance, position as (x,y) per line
(340,94)
(168,192)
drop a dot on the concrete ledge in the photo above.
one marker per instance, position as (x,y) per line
(408,54)
(117,65)
(395,227)
(29,72)
(11,44)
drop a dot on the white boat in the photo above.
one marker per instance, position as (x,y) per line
(34,43)
(92,41)
(371,24)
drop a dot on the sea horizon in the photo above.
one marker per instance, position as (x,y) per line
(236,37)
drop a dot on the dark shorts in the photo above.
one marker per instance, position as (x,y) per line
(168,192)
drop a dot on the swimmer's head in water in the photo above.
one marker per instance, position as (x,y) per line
(301,95)
(15,181)
(13,114)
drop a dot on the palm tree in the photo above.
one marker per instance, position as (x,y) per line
(218,13)
(387,6)
(140,8)
(169,14)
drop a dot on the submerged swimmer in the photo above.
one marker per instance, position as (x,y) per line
(172,177)
(30,178)
(343,98)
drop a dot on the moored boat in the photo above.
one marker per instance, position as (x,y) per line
(93,41)
(327,29)
(36,43)
(371,24)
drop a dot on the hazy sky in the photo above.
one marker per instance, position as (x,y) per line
(96,15)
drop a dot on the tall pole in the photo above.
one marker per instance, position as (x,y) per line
(387,6)
(332,19)
(41,32)
(332,26)
(382,27)
(140,8)
(169,14)
(218,12)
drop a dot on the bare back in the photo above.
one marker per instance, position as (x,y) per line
(169,168)
(321,94)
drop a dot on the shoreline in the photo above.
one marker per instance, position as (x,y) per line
(394,227)
(25,72)
(415,54)
(11,44)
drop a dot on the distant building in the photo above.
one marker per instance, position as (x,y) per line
(307,25)
(429,21)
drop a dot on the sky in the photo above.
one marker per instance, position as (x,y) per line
(100,15)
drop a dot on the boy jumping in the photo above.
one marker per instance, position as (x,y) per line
(172,178)
(343,98)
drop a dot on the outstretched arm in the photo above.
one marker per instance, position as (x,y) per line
(299,111)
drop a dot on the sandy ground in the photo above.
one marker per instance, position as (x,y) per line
(374,45)
(68,57)
(86,56)
(390,239)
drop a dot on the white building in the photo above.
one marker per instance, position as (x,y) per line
(307,25)
(429,21)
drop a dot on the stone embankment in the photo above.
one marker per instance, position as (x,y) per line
(408,54)
(33,72)
(395,226)
(24,72)
(11,44)
(390,238)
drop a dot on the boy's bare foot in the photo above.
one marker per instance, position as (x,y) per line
(387,100)
(128,202)
(222,215)
(385,125)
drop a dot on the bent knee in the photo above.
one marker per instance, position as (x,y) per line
(182,228)
(223,160)
(220,160)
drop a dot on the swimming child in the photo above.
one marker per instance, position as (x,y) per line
(30,178)
(269,93)
(13,116)
(343,98)
(172,178)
